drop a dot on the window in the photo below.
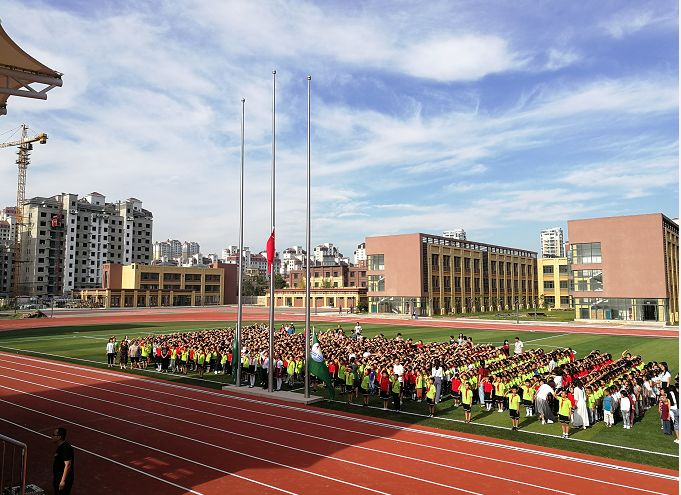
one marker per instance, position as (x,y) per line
(457,263)
(587,280)
(548,269)
(586,253)
(563,284)
(376,262)
(548,284)
(446,260)
(562,269)
(564,300)
(549,300)
(376,283)
(435,260)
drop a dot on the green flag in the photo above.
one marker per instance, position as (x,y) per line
(236,360)
(318,367)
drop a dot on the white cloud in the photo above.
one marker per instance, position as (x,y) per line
(632,21)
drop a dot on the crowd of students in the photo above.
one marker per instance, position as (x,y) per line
(554,386)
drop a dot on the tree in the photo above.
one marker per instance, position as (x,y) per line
(279,282)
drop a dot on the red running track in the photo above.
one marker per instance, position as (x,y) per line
(153,436)
(114,316)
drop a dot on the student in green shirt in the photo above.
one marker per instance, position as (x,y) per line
(466,400)
(364,385)
(430,397)
(564,410)
(349,383)
(396,390)
(514,407)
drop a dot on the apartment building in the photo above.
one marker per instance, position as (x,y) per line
(66,240)
(551,241)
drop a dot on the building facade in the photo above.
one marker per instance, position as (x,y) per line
(435,275)
(65,241)
(551,241)
(329,277)
(625,268)
(135,285)
(554,283)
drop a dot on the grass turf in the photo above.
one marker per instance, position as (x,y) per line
(85,345)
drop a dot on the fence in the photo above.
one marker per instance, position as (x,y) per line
(13,466)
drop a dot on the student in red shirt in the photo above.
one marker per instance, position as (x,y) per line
(456,389)
(384,386)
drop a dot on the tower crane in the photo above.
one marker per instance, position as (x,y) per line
(25,145)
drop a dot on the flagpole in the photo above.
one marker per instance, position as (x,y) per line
(270,368)
(307,247)
(237,358)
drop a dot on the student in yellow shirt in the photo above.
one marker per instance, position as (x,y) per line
(430,397)
(467,400)
(514,407)
(364,385)
(564,410)
(349,383)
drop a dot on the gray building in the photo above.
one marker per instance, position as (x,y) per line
(65,240)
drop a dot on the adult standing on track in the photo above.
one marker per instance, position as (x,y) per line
(110,353)
(62,466)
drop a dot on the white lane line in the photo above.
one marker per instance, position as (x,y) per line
(204,444)
(355,419)
(549,337)
(176,406)
(104,458)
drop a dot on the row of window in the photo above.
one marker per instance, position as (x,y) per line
(548,269)
(586,253)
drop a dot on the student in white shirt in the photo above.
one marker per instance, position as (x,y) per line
(625,408)
(437,373)
(518,346)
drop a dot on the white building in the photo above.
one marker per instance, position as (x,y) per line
(552,245)
(360,254)
(326,255)
(66,240)
(459,234)
(170,249)
(189,249)
(293,258)
(8,216)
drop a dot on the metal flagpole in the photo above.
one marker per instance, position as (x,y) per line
(270,368)
(237,359)
(307,247)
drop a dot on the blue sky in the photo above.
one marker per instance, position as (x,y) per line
(501,118)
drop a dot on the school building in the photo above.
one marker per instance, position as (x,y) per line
(436,275)
(554,283)
(138,286)
(625,268)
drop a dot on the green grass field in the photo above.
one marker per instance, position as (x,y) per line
(643,444)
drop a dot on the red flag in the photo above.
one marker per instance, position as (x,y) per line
(270,252)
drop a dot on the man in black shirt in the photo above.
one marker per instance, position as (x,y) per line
(62,468)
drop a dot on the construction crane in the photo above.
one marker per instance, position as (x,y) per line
(25,145)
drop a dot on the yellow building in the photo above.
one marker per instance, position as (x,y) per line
(341,299)
(135,285)
(553,286)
